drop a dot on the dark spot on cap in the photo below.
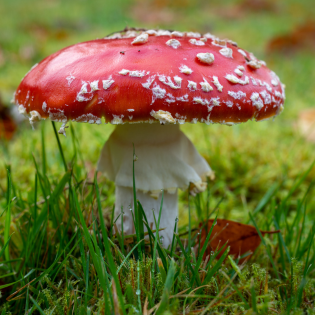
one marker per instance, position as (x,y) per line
(122,52)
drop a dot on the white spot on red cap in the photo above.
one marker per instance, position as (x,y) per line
(266,96)
(117,120)
(141,39)
(238,72)
(180,119)
(57,115)
(178,80)
(151,32)
(218,42)
(232,78)
(163,33)
(254,64)
(215,101)
(81,95)
(130,110)
(163,116)
(174,43)
(149,81)
(242,52)
(89,118)
(254,81)
(137,73)
(177,34)
(185,69)
(168,81)
(70,78)
(158,92)
(257,101)
(193,34)
(123,72)
(229,103)
(107,83)
(130,34)
(205,86)
(217,83)
(170,98)
(94,86)
(208,35)
(237,95)
(192,86)
(201,101)
(183,98)
(207,58)
(274,82)
(226,52)
(196,42)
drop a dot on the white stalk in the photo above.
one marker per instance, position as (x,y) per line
(166,159)
(125,206)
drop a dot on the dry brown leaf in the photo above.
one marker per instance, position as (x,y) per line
(241,10)
(241,238)
(306,124)
(151,13)
(302,37)
(7,124)
(259,5)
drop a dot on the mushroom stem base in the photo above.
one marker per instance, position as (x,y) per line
(124,202)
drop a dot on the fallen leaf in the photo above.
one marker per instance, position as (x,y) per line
(306,124)
(242,9)
(241,238)
(259,5)
(301,38)
(153,13)
(7,124)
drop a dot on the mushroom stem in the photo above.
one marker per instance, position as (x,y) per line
(165,160)
(125,206)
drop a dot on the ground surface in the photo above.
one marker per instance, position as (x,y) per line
(258,165)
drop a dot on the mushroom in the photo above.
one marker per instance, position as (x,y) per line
(148,83)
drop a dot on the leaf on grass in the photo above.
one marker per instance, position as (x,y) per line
(7,124)
(244,8)
(241,238)
(259,5)
(151,13)
(301,38)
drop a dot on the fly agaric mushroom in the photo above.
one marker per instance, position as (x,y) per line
(148,83)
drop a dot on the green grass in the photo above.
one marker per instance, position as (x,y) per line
(62,256)
(58,252)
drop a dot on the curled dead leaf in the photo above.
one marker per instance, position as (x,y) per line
(241,238)
(7,123)
(259,5)
(302,37)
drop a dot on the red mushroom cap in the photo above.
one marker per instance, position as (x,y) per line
(172,77)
